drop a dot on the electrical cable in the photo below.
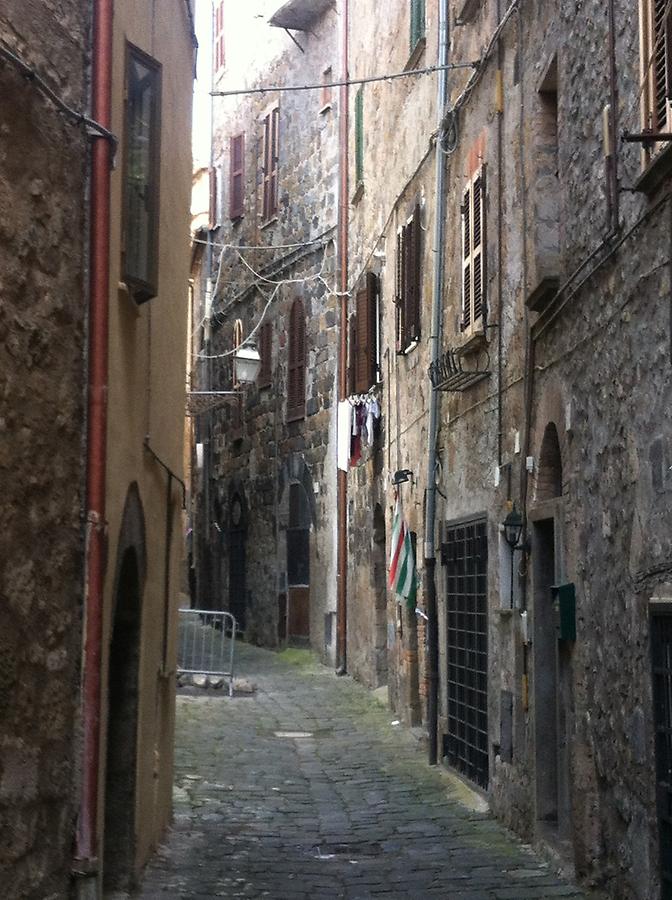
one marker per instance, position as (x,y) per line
(344,83)
(249,337)
(296,246)
(77,118)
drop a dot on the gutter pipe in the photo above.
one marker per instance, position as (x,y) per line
(101,164)
(342,483)
(435,349)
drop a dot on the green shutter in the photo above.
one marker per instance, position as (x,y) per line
(417,21)
(359,137)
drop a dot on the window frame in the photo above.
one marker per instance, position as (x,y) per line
(142,289)
(236,210)
(270,156)
(359,137)
(418,23)
(296,363)
(365,355)
(474,256)
(218,47)
(408,287)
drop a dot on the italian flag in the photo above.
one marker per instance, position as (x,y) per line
(402,579)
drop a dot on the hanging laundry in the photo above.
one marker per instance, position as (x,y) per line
(344,434)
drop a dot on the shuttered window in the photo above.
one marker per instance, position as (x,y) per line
(266,353)
(473,255)
(656,66)
(359,137)
(417,21)
(409,283)
(219,36)
(271,145)
(366,335)
(213,218)
(236,176)
(296,374)
(352,352)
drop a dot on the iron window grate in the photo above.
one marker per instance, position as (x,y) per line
(465,558)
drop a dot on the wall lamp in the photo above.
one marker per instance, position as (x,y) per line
(513,528)
(247,363)
(401,476)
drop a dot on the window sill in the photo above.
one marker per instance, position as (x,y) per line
(416,54)
(359,193)
(409,349)
(656,171)
(268,222)
(325,109)
(472,342)
(236,219)
(296,417)
(541,297)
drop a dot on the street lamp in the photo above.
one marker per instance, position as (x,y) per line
(513,528)
(247,363)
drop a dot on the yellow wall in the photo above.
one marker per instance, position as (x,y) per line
(146,394)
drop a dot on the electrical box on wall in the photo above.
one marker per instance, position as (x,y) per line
(564,602)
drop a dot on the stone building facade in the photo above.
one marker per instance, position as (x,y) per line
(553,395)
(265,544)
(42,335)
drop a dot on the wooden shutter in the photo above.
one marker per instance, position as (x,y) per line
(660,66)
(296,374)
(415,275)
(359,137)
(270,163)
(219,35)
(417,21)
(366,352)
(399,291)
(474,254)
(352,353)
(266,352)
(212,214)
(236,176)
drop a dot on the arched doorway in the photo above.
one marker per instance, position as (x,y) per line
(122,727)
(298,564)
(237,559)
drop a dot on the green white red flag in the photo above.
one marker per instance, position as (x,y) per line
(403,579)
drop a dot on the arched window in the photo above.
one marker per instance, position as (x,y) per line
(296,369)
(549,479)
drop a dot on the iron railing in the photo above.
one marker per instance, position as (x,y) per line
(449,374)
(206,643)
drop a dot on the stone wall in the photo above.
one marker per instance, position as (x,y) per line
(42,312)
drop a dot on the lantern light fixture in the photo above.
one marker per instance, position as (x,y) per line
(513,528)
(246,363)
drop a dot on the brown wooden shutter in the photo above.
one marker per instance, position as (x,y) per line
(266,352)
(372,300)
(270,163)
(466,259)
(236,176)
(266,168)
(352,352)
(212,213)
(416,276)
(362,383)
(296,374)
(479,248)
(661,64)
(399,291)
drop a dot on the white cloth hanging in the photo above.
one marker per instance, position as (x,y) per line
(344,428)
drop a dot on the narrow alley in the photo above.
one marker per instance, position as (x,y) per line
(307,789)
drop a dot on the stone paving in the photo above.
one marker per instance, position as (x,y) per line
(306,790)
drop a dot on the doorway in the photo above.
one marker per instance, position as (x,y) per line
(379,578)
(298,565)
(237,562)
(661,670)
(552,692)
(122,729)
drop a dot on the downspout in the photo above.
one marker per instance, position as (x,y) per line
(435,350)
(101,162)
(342,484)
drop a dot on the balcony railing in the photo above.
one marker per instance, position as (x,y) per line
(448,373)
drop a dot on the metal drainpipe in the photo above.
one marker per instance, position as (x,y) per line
(342,484)
(86,863)
(435,349)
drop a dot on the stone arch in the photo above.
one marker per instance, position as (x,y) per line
(549,482)
(123,697)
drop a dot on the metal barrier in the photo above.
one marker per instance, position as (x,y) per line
(206,643)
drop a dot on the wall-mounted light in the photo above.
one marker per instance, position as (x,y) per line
(513,528)
(401,476)
(247,363)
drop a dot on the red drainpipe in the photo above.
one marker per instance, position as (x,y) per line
(101,164)
(342,484)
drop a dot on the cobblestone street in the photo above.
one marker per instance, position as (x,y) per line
(304,789)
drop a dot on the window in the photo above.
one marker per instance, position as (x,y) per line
(656,66)
(409,283)
(213,214)
(141,175)
(417,22)
(473,255)
(236,176)
(359,137)
(325,97)
(237,404)
(364,338)
(296,373)
(266,353)
(218,35)
(271,124)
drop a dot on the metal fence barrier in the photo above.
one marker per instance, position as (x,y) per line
(206,643)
